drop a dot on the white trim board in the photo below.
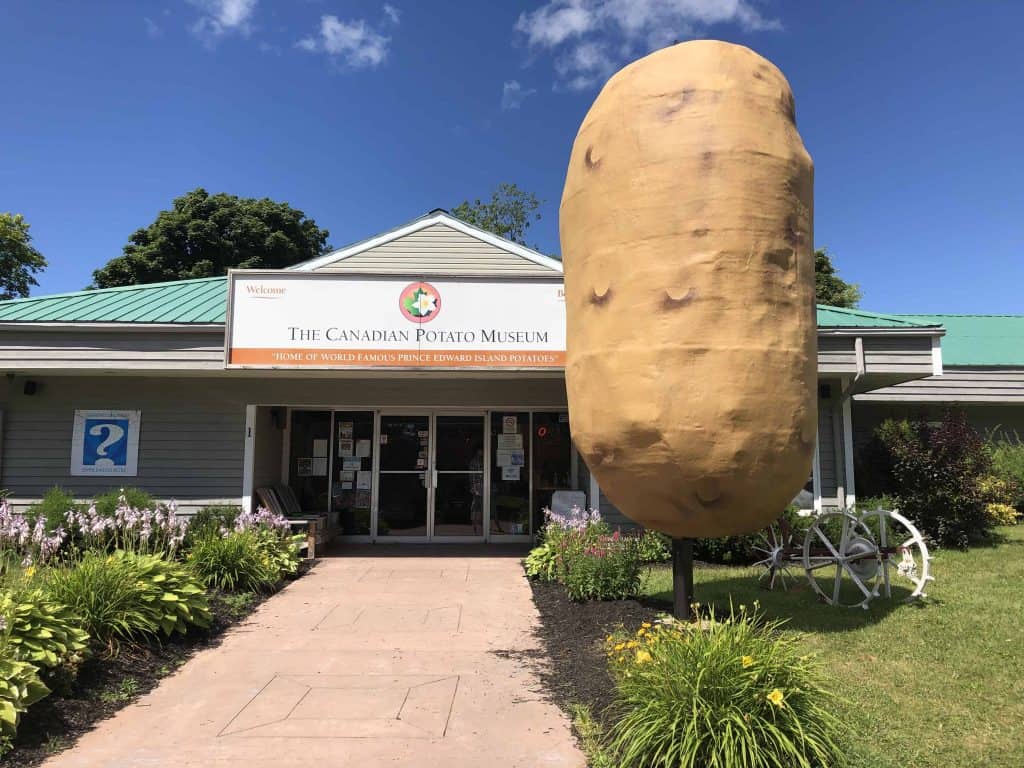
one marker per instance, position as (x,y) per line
(422,223)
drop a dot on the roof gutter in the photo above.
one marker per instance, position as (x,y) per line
(933,330)
(13,325)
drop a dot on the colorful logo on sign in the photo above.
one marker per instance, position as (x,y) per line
(105,443)
(420,302)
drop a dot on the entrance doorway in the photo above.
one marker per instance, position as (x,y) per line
(431,477)
(425,474)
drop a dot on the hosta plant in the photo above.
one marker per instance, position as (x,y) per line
(125,596)
(281,549)
(542,562)
(39,630)
(20,687)
(733,691)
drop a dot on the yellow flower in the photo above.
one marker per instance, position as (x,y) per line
(632,644)
(776,698)
(30,571)
(642,657)
(747,661)
(641,632)
(620,646)
(646,625)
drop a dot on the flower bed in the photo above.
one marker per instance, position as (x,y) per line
(98,603)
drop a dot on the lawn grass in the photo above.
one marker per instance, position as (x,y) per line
(938,683)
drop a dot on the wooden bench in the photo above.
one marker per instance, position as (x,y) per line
(281,500)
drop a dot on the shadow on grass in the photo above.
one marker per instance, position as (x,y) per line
(800,605)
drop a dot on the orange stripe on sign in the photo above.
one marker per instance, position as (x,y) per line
(392,358)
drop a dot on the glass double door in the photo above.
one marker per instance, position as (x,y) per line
(431,476)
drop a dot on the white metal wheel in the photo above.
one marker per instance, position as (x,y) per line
(776,543)
(906,564)
(842,560)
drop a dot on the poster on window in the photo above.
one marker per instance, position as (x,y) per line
(105,443)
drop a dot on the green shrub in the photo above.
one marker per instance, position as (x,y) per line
(136,498)
(209,520)
(740,550)
(1008,465)
(20,688)
(235,562)
(654,547)
(40,631)
(607,568)
(728,692)
(938,472)
(53,508)
(1001,514)
(125,596)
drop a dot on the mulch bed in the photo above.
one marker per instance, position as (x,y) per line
(100,688)
(572,635)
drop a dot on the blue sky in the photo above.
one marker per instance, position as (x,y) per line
(365,115)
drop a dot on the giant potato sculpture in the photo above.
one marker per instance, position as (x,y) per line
(686,229)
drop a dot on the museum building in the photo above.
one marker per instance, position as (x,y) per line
(410,386)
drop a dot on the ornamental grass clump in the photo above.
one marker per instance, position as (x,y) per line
(126,596)
(233,562)
(731,691)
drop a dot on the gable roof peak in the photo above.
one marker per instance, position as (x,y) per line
(432,218)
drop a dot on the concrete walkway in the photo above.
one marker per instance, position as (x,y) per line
(368,660)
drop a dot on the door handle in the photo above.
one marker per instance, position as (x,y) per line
(434,478)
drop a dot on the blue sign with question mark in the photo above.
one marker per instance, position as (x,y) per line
(105,443)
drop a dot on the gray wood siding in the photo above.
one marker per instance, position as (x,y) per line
(191,442)
(957,385)
(828,462)
(437,248)
(836,354)
(898,354)
(104,350)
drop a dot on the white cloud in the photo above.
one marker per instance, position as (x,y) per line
(393,14)
(354,42)
(513,94)
(152,28)
(222,17)
(590,39)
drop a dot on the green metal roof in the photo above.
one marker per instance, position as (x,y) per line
(981,340)
(205,301)
(184,301)
(840,317)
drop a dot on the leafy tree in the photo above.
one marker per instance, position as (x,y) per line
(204,235)
(19,261)
(508,213)
(829,288)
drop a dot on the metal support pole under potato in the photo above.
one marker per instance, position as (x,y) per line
(682,578)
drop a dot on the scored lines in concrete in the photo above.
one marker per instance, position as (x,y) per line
(347,706)
(393,618)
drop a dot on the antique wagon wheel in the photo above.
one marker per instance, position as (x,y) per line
(842,560)
(905,559)
(776,544)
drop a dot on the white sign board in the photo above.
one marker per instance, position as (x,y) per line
(284,319)
(105,443)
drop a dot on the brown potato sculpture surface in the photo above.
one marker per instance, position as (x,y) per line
(686,229)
